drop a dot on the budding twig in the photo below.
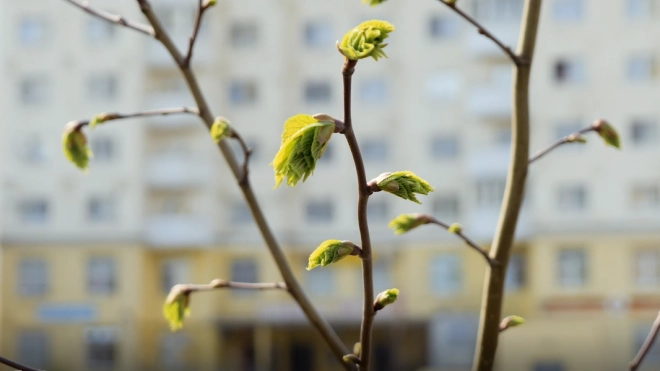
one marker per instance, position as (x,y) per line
(113,18)
(16,366)
(247,152)
(516,59)
(571,138)
(202,7)
(466,239)
(646,347)
(105,117)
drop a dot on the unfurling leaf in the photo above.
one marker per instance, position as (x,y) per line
(455,228)
(220,129)
(608,133)
(405,222)
(511,321)
(177,306)
(385,298)
(75,145)
(331,251)
(373,2)
(366,40)
(403,184)
(304,140)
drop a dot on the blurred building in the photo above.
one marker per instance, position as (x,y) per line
(88,259)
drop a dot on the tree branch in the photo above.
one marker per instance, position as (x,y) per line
(198,23)
(217,284)
(646,347)
(113,18)
(513,195)
(294,288)
(247,152)
(467,240)
(105,117)
(571,138)
(517,60)
(15,365)
(363,198)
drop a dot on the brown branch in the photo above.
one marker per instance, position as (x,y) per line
(571,138)
(105,117)
(16,366)
(202,7)
(247,152)
(493,294)
(294,288)
(113,18)
(363,198)
(646,347)
(467,240)
(222,284)
(516,59)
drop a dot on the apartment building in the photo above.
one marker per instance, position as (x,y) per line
(88,258)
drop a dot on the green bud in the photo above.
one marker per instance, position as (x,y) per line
(101,118)
(455,228)
(385,298)
(366,40)
(210,3)
(331,251)
(608,133)
(177,306)
(373,2)
(220,129)
(303,142)
(576,138)
(450,2)
(511,321)
(405,222)
(75,145)
(351,359)
(403,184)
(357,349)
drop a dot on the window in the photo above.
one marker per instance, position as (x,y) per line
(319,211)
(646,197)
(375,150)
(490,192)
(318,34)
(32,277)
(443,86)
(102,347)
(373,91)
(572,267)
(641,68)
(99,30)
(502,10)
(102,87)
(378,210)
(34,90)
(244,34)
(34,211)
(446,274)
(637,9)
(572,198)
(103,149)
(647,267)
(302,357)
(101,209)
(444,147)
(33,348)
(453,337)
(548,366)
(321,282)
(243,92)
(446,207)
(569,71)
(568,10)
(318,92)
(644,132)
(515,273)
(34,151)
(173,349)
(101,276)
(240,213)
(652,359)
(32,31)
(441,27)
(174,271)
(244,270)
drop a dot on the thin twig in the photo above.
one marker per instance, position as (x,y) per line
(493,291)
(646,347)
(198,23)
(105,117)
(294,288)
(113,18)
(16,366)
(567,139)
(247,152)
(467,240)
(222,284)
(363,198)
(516,59)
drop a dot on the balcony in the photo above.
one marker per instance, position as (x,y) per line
(171,100)
(178,230)
(491,101)
(176,171)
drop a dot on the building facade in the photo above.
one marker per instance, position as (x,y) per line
(88,259)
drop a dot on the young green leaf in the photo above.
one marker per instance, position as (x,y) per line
(373,2)
(75,145)
(405,222)
(331,251)
(366,40)
(220,129)
(455,228)
(386,298)
(608,133)
(304,141)
(404,184)
(177,306)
